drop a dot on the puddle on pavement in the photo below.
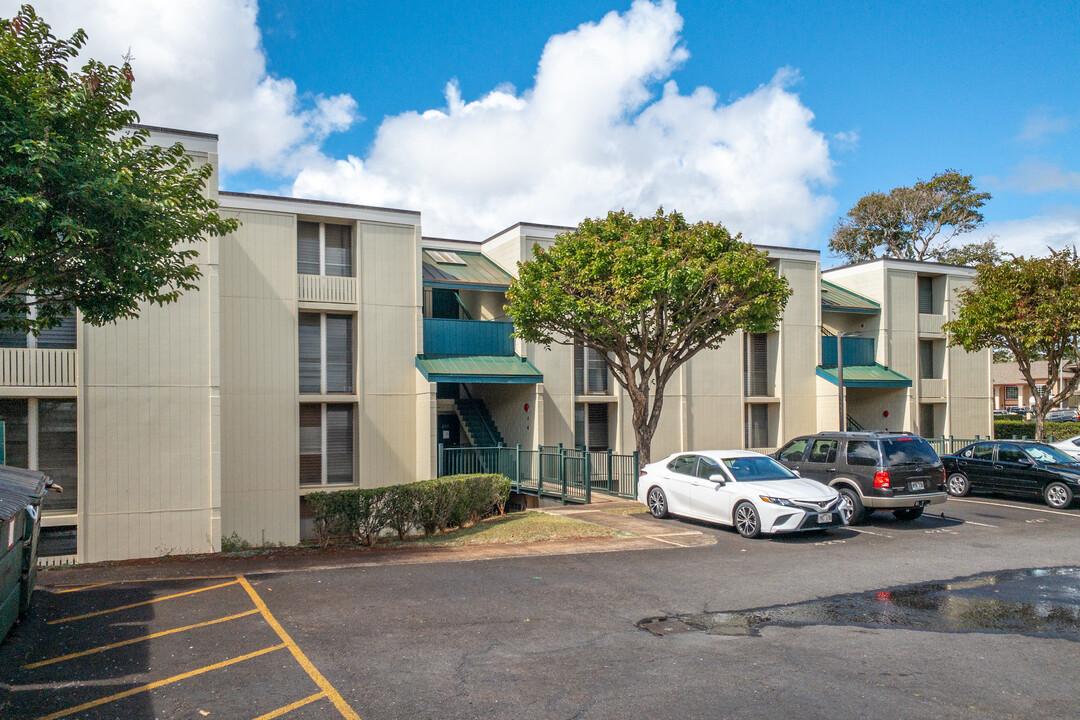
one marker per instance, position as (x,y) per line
(1042,602)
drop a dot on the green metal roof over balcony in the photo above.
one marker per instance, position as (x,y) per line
(478,369)
(837,299)
(463,271)
(872,376)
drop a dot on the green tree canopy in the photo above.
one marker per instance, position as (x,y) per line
(92,216)
(915,223)
(1030,307)
(647,294)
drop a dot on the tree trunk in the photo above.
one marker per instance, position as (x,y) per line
(643,436)
(1040,420)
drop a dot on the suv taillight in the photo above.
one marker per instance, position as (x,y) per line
(881,479)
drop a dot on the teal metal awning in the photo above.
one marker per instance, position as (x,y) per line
(874,376)
(462,270)
(837,299)
(478,369)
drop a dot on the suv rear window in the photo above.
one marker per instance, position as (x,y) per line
(909,451)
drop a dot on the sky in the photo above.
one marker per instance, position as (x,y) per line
(771,118)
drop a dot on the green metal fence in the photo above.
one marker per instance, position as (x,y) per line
(948,445)
(566,474)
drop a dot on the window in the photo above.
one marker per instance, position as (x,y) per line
(926,295)
(823,451)
(42,434)
(1012,392)
(863,453)
(445,257)
(793,453)
(326,353)
(927,420)
(707,467)
(983,451)
(684,464)
(1011,453)
(756,367)
(926,359)
(590,372)
(326,444)
(591,430)
(324,249)
(61,337)
(909,451)
(756,430)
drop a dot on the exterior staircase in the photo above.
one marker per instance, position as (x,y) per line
(477,423)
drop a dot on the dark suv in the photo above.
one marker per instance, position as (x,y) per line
(871,470)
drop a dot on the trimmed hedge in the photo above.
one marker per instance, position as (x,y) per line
(432,505)
(1005,428)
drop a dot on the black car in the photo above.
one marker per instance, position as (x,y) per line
(892,471)
(1014,467)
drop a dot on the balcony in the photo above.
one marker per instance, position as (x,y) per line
(467,337)
(931,324)
(857,351)
(930,388)
(327,289)
(35,367)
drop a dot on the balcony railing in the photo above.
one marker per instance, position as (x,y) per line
(327,289)
(467,337)
(36,367)
(930,324)
(932,387)
(857,351)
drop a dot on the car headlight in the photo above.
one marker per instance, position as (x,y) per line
(778,501)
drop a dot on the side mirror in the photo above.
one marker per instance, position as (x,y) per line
(797,473)
(718,479)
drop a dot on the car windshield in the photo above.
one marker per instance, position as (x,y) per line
(1047,454)
(908,451)
(756,469)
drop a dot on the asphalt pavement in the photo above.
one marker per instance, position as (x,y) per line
(557,636)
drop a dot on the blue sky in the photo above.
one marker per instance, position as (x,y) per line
(822,104)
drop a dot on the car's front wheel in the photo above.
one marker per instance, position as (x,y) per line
(657,502)
(747,520)
(1058,495)
(958,485)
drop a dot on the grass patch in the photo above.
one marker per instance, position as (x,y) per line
(627,510)
(523,527)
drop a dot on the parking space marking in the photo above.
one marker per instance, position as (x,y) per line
(79,589)
(293,706)
(139,604)
(867,532)
(160,683)
(1016,507)
(331,693)
(132,641)
(660,539)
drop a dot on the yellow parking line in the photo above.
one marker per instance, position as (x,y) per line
(289,708)
(72,587)
(77,589)
(163,633)
(138,604)
(333,695)
(159,683)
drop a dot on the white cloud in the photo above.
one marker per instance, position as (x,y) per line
(590,136)
(200,65)
(1032,236)
(1036,176)
(1043,122)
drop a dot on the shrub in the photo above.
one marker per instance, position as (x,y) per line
(1006,428)
(433,505)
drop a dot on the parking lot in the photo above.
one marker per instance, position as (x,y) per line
(554,636)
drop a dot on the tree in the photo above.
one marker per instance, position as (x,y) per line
(91,215)
(914,223)
(647,294)
(1031,307)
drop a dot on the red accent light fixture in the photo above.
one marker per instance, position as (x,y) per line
(526,407)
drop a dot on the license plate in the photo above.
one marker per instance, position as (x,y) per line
(916,486)
(824,518)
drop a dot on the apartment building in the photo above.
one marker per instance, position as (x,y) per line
(333,346)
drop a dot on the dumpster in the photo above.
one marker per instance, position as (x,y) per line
(20,524)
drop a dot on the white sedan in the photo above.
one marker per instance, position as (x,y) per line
(750,491)
(1070,447)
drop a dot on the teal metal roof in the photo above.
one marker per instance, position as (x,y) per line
(837,299)
(474,270)
(478,369)
(874,375)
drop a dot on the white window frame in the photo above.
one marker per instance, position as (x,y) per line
(322,246)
